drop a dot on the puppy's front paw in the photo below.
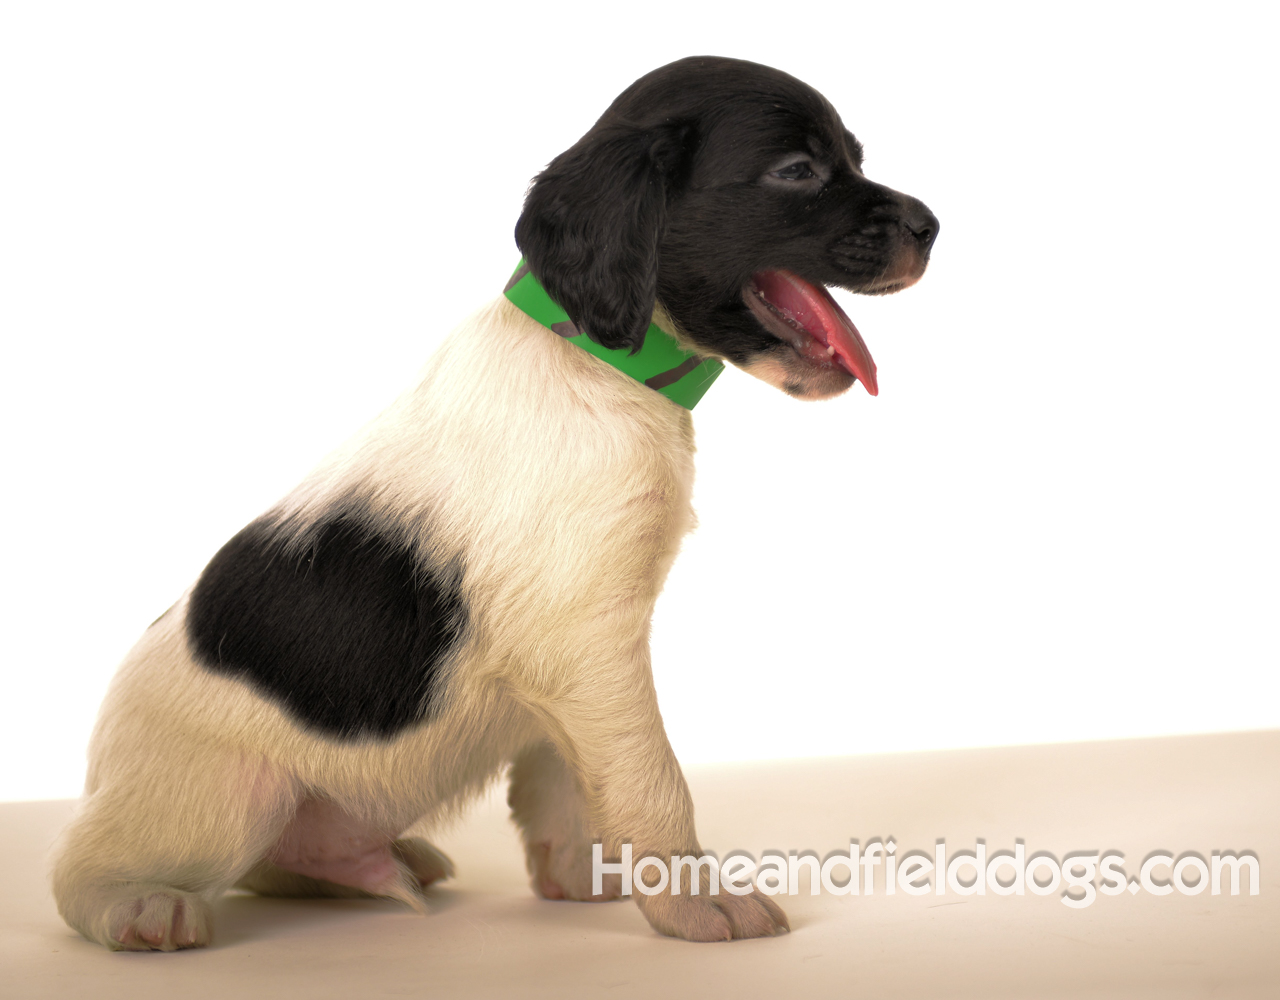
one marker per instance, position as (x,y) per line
(563,871)
(157,919)
(722,917)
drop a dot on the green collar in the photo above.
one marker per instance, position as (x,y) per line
(661,364)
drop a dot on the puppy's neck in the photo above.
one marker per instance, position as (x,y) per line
(661,363)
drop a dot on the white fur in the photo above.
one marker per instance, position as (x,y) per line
(563,487)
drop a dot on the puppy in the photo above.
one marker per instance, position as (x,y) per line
(467,585)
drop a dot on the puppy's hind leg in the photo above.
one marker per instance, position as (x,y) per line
(551,811)
(152,847)
(420,864)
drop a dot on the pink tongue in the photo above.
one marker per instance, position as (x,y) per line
(813,308)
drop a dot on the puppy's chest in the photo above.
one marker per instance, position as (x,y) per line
(583,478)
(584,519)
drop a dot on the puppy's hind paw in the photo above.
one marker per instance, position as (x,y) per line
(722,917)
(158,919)
(426,863)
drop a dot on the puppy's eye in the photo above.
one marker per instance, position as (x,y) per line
(795,172)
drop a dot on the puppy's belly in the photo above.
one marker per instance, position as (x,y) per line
(322,841)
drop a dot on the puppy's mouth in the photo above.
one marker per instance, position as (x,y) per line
(805,316)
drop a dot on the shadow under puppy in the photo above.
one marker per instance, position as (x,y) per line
(468,583)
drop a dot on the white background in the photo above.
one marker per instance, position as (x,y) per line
(231,233)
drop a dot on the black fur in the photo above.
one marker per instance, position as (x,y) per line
(592,222)
(348,636)
(672,196)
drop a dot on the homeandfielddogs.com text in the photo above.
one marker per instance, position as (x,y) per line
(880,868)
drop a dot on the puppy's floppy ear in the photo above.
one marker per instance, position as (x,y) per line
(592,222)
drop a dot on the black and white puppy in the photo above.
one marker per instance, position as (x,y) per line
(467,585)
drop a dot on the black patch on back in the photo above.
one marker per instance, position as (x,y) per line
(347,635)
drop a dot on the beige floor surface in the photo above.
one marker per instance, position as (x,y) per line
(487,936)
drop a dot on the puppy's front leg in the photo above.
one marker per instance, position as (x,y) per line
(548,805)
(614,777)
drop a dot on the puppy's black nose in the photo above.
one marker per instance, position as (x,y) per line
(921,223)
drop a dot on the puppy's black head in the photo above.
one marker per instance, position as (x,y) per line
(731,194)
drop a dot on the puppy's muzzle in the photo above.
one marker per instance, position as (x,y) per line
(911,232)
